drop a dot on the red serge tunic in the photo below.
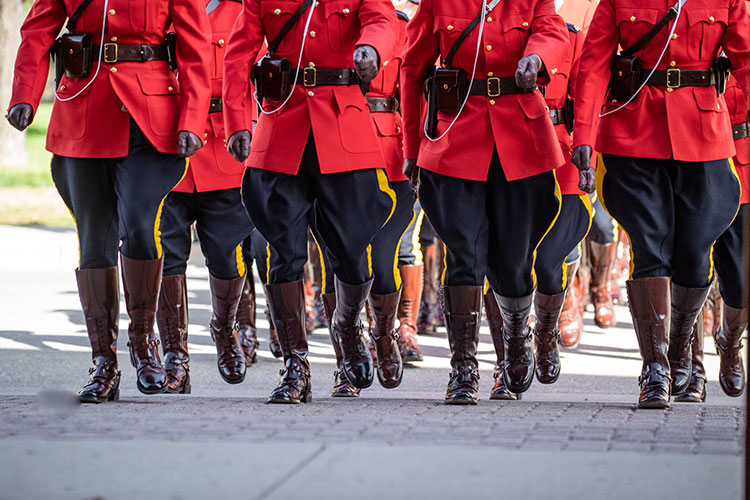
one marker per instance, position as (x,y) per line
(345,135)
(687,124)
(736,103)
(518,125)
(388,125)
(212,167)
(96,124)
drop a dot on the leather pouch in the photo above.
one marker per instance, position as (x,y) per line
(272,78)
(626,76)
(73,52)
(450,88)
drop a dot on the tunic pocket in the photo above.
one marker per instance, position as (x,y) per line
(163,93)
(343,24)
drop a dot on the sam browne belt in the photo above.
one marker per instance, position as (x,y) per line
(382,104)
(217,105)
(120,52)
(741,130)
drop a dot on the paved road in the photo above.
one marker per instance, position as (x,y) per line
(579,438)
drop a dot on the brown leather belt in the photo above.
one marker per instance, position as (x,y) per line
(315,77)
(557,116)
(120,52)
(216,105)
(741,130)
(674,78)
(382,104)
(495,87)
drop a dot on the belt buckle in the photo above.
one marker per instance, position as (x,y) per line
(493,80)
(107,58)
(305,81)
(670,72)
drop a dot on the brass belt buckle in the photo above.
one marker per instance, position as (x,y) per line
(107,58)
(306,80)
(670,79)
(493,81)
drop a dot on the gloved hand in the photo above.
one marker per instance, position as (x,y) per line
(581,158)
(366,62)
(528,70)
(239,145)
(411,170)
(187,143)
(20,115)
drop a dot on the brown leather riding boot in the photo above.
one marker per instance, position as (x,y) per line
(141,280)
(687,303)
(273,339)
(570,323)
(603,258)
(230,359)
(729,346)
(695,392)
(463,312)
(99,291)
(408,312)
(309,301)
(347,330)
(649,302)
(517,335)
(495,320)
(246,314)
(172,319)
(342,388)
(547,308)
(287,304)
(390,369)
(427,316)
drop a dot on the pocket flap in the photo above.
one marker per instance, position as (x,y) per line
(532,105)
(709,16)
(705,98)
(349,96)
(387,124)
(636,15)
(278,7)
(341,7)
(516,21)
(158,84)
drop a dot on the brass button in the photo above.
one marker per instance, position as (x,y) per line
(670,89)
(312,34)
(489,19)
(113,39)
(553,71)
(310,93)
(398,130)
(674,36)
(221,42)
(449,27)
(62,87)
(445,86)
(490,74)
(317,4)
(346,11)
(525,24)
(111,12)
(673,63)
(718,107)
(492,101)
(632,19)
(311,64)
(711,19)
(170,88)
(385,63)
(113,70)
(277,12)
(205,134)
(489,48)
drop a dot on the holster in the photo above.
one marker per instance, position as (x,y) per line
(626,76)
(272,78)
(430,93)
(721,67)
(568,115)
(73,56)
(170,40)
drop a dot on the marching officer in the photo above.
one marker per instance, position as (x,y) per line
(485,176)
(209,196)
(731,272)
(121,127)
(314,150)
(672,194)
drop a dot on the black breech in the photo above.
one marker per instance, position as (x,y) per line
(672,211)
(348,209)
(603,227)
(117,202)
(570,228)
(255,249)
(221,223)
(730,262)
(491,228)
(427,234)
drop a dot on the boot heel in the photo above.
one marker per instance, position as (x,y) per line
(185,389)
(114,395)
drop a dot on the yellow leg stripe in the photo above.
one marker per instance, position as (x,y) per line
(385,187)
(322,264)
(445,263)
(558,195)
(268,262)
(416,245)
(486,288)
(157,222)
(369,260)
(711,254)
(240,260)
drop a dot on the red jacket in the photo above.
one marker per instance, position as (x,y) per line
(738,113)
(689,123)
(388,125)
(95,125)
(562,85)
(345,135)
(517,125)
(212,167)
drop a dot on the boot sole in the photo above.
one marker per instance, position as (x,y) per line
(185,389)
(150,392)
(233,381)
(461,402)
(306,399)
(689,399)
(505,397)
(344,395)
(112,396)
(654,405)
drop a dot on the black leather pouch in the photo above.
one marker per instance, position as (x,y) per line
(450,89)
(73,53)
(272,78)
(626,76)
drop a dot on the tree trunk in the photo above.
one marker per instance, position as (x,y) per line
(12,142)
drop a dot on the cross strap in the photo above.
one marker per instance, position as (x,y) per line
(448,59)
(655,29)
(71,25)
(288,26)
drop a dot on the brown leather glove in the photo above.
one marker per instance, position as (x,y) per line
(366,62)
(239,145)
(20,115)
(581,158)
(187,143)
(411,170)
(528,71)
